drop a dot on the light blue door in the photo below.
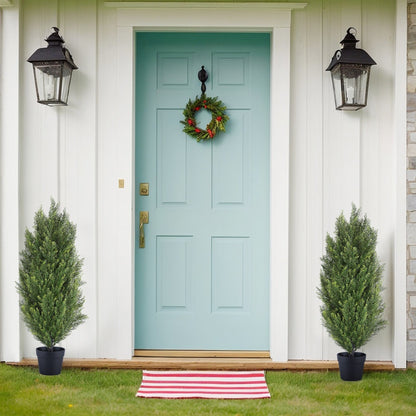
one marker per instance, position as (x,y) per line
(202,279)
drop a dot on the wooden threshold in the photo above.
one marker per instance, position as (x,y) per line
(159,363)
(201,354)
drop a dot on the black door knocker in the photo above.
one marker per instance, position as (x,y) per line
(203,76)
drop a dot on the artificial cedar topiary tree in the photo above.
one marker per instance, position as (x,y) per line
(49,278)
(352,306)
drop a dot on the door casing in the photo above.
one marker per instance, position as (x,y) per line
(274,18)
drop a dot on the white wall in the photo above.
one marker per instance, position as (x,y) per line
(10,24)
(59,146)
(336,158)
(339,158)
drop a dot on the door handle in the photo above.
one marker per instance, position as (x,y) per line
(143,219)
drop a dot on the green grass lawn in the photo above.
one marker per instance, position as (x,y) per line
(112,392)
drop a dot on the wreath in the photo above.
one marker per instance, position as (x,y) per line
(217,123)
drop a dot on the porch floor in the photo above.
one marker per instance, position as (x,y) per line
(163,363)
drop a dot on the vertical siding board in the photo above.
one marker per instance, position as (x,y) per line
(341,135)
(39,170)
(39,137)
(306,183)
(106,265)
(399,333)
(107,172)
(330,24)
(371,122)
(298,187)
(78,156)
(10,41)
(110,199)
(315,179)
(378,146)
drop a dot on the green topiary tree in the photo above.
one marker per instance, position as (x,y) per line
(49,278)
(350,290)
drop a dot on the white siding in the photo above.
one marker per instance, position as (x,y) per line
(115,302)
(336,158)
(306,183)
(10,24)
(58,146)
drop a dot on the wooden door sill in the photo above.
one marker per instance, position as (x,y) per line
(232,364)
(201,354)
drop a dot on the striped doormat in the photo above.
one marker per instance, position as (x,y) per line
(204,385)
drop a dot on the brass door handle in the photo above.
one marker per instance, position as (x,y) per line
(143,219)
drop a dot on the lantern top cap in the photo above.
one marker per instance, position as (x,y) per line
(350,38)
(55,38)
(349,54)
(55,51)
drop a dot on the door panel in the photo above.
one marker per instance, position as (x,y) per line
(202,279)
(173,277)
(229,274)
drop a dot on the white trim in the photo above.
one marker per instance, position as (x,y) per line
(194,5)
(400,119)
(6,3)
(271,19)
(279,194)
(9,184)
(185,19)
(124,130)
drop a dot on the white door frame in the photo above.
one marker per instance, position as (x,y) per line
(274,18)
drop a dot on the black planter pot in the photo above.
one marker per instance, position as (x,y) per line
(50,362)
(351,366)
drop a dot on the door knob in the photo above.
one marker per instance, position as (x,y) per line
(143,219)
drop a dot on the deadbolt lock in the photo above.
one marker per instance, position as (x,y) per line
(144,189)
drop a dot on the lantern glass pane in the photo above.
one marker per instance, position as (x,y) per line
(48,82)
(52,82)
(354,78)
(66,81)
(336,85)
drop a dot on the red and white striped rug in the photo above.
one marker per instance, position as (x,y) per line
(204,385)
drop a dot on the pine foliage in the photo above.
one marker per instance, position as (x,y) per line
(350,290)
(49,278)
(218,121)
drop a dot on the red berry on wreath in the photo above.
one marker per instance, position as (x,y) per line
(197,108)
(219,118)
(190,122)
(197,130)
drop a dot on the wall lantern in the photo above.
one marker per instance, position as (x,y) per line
(350,73)
(52,68)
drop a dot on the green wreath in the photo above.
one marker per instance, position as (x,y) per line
(217,123)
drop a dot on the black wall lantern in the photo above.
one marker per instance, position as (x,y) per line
(350,73)
(52,68)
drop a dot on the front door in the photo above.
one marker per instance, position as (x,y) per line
(202,278)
